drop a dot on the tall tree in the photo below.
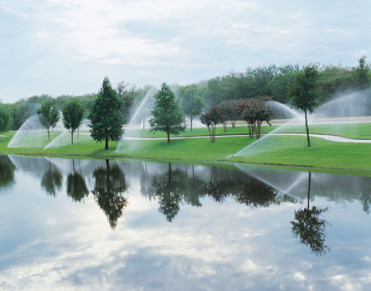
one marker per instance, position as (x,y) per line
(6,119)
(48,115)
(304,92)
(192,104)
(105,115)
(363,79)
(167,116)
(73,113)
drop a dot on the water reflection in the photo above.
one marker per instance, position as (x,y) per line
(309,226)
(76,185)
(52,179)
(110,184)
(6,172)
(196,222)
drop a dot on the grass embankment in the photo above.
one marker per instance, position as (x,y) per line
(277,150)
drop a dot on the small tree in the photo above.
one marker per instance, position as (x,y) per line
(48,115)
(73,113)
(105,115)
(192,104)
(304,93)
(211,119)
(166,113)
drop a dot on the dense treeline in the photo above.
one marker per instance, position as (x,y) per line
(271,81)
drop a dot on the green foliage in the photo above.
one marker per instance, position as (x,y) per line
(48,115)
(363,78)
(304,92)
(105,115)
(191,103)
(6,119)
(167,116)
(73,113)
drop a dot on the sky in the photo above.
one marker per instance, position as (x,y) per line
(61,47)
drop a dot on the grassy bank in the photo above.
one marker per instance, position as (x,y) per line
(275,150)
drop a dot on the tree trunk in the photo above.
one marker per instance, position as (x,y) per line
(168,137)
(72,138)
(306,125)
(48,133)
(106,148)
(191,123)
(309,182)
(107,164)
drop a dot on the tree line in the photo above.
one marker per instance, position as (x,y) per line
(231,97)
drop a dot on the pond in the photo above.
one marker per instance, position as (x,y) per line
(141,225)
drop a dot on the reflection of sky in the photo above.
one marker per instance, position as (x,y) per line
(54,243)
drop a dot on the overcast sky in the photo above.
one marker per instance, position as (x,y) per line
(67,46)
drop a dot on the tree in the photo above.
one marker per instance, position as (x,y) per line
(304,92)
(51,181)
(6,119)
(73,113)
(211,118)
(109,186)
(166,113)
(192,104)
(363,80)
(76,185)
(309,227)
(6,172)
(105,115)
(48,115)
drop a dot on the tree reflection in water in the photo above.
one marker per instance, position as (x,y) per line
(76,185)
(244,189)
(6,172)
(110,184)
(52,179)
(309,226)
(169,190)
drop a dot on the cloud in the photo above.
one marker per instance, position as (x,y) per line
(175,41)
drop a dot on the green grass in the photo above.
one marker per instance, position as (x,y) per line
(349,130)
(274,150)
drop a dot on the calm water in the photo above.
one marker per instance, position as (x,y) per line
(133,225)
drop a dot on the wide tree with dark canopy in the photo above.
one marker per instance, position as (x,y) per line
(105,115)
(167,116)
(73,113)
(48,115)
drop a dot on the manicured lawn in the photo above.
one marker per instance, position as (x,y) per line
(278,150)
(349,130)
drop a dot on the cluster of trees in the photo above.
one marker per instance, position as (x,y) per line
(275,82)
(254,111)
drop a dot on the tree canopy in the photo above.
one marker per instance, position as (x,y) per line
(166,113)
(304,92)
(73,114)
(48,115)
(105,115)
